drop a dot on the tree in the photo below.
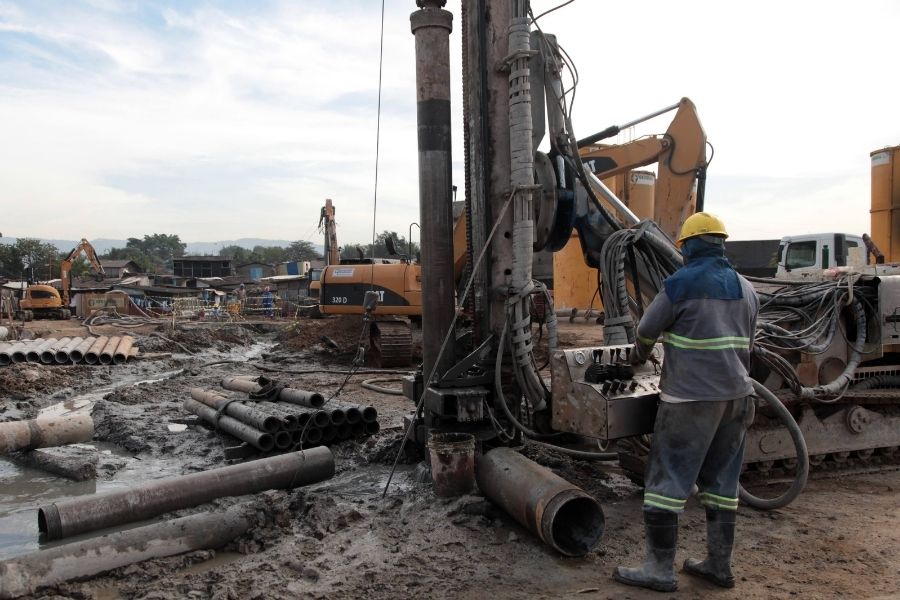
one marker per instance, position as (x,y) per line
(303,250)
(30,258)
(154,253)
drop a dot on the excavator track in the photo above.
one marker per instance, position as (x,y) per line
(391,343)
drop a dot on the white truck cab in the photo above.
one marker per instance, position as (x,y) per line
(807,256)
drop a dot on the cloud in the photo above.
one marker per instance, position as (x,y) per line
(234,119)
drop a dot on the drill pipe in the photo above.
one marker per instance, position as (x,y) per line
(328,433)
(90,513)
(62,354)
(247,433)
(25,574)
(320,418)
(251,416)
(302,397)
(337,416)
(291,395)
(368,413)
(106,355)
(290,421)
(92,356)
(44,432)
(5,354)
(123,350)
(77,353)
(344,431)
(358,429)
(48,356)
(372,428)
(284,440)
(561,514)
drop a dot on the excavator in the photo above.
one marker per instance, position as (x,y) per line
(393,284)
(826,354)
(44,301)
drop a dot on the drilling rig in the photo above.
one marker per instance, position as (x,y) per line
(826,354)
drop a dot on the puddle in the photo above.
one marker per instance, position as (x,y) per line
(367,481)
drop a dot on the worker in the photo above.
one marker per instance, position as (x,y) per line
(267,302)
(706,316)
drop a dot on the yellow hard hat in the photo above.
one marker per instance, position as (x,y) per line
(701,223)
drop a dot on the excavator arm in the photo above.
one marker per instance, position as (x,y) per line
(681,155)
(66,266)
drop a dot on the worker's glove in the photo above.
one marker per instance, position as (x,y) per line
(636,357)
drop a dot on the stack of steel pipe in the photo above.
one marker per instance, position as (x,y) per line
(276,425)
(69,350)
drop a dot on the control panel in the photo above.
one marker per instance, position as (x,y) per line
(597,393)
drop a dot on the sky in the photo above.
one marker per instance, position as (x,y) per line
(222,120)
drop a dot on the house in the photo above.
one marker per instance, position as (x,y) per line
(117,269)
(202,266)
(255,271)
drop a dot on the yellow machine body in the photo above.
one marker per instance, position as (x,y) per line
(398,284)
(885,211)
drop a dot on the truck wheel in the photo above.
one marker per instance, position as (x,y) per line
(29,315)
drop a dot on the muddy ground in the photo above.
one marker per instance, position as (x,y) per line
(341,539)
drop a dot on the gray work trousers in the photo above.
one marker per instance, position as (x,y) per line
(700,442)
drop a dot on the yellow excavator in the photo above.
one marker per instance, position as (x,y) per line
(397,287)
(44,301)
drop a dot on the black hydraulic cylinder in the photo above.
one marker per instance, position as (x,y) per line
(90,513)
(431,26)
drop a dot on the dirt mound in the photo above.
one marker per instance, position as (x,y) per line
(332,335)
(194,340)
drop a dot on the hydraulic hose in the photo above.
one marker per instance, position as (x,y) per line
(802,456)
(879,381)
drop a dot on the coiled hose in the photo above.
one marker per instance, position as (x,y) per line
(802,456)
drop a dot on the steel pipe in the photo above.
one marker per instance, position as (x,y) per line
(289,420)
(34,352)
(247,433)
(302,397)
(561,514)
(46,431)
(48,356)
(77,353)
(25,574)
(320,418)
(6,354)
(431,26)
(246,414)
(358,429)
(337,416)
(20,351)
(344,431)
(368,413)
(290,395)
(372,428)
(123,350)
(106,355)
(283,440)
(92,356)
(61,356)
(90,513)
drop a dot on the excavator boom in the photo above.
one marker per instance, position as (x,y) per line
(681,154)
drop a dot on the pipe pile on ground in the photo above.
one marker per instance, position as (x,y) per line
(277,426)
(99,511)
(44,432)
(26,574)
(68,350)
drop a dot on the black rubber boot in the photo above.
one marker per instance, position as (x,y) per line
(719,544)
(657,572)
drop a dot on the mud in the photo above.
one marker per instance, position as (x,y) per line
(341,539)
